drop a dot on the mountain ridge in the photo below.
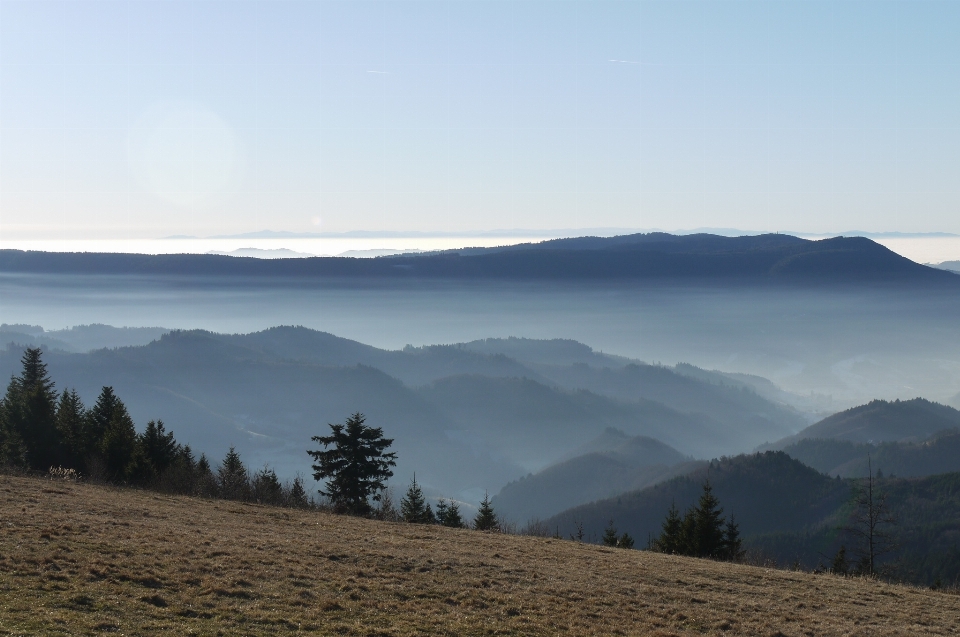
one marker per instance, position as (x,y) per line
(654,256)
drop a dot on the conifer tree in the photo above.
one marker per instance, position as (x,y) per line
(355,467)
(118,447)
(298,495)
(414,508)
(71,420)
(266,487)
(233,480)
(610,535)
(30,414)
(156,451)
(708,525)
(95,429)
(625,541)
(670,540)
(732,544)
(486,518)
(448,514)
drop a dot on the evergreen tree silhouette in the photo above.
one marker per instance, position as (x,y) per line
(414,507)
(355,466)
(486,518)
(610,535)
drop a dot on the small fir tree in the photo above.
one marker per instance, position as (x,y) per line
(71,420)
(670,540)
(118,447)
(708,525)
(732,544)
(414,508)
(298,495)
(266,487)
(610,535)
(233,480)
(448,514)
(625,541)
(486,518)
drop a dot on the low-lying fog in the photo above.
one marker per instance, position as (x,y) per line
(850,345)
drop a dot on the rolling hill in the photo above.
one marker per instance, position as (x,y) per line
(771,258)
(767,492)
(83,559)
(882,421)
(939,454)
(607,466)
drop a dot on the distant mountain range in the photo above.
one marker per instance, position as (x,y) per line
(654,256)
(464,416)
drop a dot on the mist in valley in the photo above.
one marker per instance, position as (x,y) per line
(472,409)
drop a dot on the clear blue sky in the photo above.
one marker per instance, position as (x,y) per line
(140,119)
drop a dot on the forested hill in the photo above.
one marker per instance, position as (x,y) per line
(653,256)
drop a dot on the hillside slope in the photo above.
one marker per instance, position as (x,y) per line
(79,559)
(882,421)
(611,464)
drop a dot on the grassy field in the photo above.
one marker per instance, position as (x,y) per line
(81,559)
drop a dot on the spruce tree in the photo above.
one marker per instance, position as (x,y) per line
(670,540)
(266,487)
(732,544)
(30,417)
(610,535)
(71,420)
(355,466)
(708,538)
(414,508)
(12,451)
(118,447)
(298,495)
(448,514)
(233,480)
(95,428)
(486,518)
(625,541)
(158,449)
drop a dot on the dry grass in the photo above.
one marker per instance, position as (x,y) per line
(79,559)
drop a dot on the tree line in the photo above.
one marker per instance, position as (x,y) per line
(42,430)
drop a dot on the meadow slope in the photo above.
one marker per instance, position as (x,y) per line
(82,559)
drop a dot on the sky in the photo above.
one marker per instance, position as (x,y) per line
(141,119)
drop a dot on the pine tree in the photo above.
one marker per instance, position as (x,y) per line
(610,535)
(625,541)
(298,495)
(233,480)
(708,525)
(158,446)
(448,514)
(670,540)
(732,544)
(266,487)
(486,519)
(414,507)
(94,432)
(12,450)
(118,447)
(205,483)
(30,408)
(356,466)
(71,420)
